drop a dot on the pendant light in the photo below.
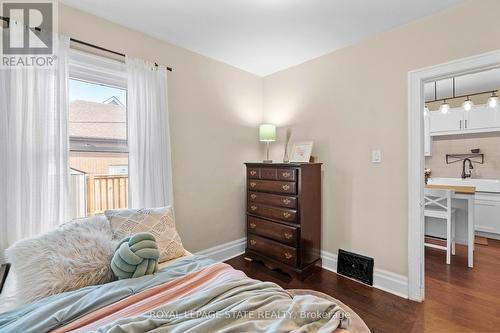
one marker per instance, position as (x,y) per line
(426,111)
(467,104)
(493,100)
(445,107)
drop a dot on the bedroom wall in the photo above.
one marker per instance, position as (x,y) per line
(354,100)
(214,112)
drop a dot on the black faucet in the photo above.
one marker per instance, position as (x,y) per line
(467,174)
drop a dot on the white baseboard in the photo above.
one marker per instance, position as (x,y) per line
(225,251)
(488,234)
(384,280)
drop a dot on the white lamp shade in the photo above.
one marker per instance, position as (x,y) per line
(444,108)
(267,132)
(493,101)
(467,105)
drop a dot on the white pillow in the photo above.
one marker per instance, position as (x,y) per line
(73,256)
(158,221)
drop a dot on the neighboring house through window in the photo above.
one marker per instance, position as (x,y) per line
(98,134)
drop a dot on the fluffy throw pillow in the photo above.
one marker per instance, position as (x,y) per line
(157,221)
(136,256)
(75,255)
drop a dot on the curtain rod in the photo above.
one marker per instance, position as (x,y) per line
(7,20)
(106,50)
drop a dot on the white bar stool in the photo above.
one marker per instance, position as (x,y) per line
(437,204)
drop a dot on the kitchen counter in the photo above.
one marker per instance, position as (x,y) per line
(458,189)
(486,202)
(481,184)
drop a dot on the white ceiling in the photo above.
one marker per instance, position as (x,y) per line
(262,36)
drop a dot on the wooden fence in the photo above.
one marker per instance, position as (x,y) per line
(106,192)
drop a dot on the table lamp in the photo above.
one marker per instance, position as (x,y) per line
(267,133)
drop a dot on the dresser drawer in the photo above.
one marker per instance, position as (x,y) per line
(287,174)
(269,173)
(277,174)
(272,186)
(273,249)
(282,214)
(253,173)
(276,231)
(272,199)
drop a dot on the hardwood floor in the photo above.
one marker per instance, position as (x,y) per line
(381,311)
(458,299)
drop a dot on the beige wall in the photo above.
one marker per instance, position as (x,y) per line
(349,102)
(488,143)
(354,100)
(214,110)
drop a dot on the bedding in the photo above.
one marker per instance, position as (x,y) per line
(192,294)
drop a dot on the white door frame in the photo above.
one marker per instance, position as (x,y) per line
(416,160)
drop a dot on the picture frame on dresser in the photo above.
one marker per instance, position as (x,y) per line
(301,152)
(284,216)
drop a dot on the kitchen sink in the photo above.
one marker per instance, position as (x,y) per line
(481,185)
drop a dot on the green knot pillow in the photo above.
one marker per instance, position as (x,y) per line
(135,256)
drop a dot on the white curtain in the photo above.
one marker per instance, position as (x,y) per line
(34,174)
(150,171)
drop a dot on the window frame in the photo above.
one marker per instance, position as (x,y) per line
(98,70)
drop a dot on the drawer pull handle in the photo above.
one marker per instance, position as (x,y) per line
(286,174)
(285,187)
(286,215)
(252,184)
(253,196)
(252,225)
(253,173)
(288,255)
(253,242)
(253,208)
(287,201)
(288,235)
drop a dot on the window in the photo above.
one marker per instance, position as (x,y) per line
(98,135)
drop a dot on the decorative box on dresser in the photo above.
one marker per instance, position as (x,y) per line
(284,215)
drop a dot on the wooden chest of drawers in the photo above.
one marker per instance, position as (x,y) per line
(284,215)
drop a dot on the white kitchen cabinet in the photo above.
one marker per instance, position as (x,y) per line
(480,119)
(487,212)
(446,123)
(427,136)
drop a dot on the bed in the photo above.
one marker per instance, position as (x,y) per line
(188,294)
(191,293)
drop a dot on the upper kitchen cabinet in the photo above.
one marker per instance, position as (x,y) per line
(475,101)
(457,121)
(446,123)
(483,118)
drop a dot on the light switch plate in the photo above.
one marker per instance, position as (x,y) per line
(376,156)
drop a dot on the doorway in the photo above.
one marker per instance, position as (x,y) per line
(416,161)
